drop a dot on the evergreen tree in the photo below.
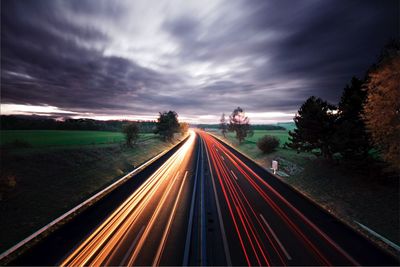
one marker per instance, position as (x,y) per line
(314,127)
(351,138)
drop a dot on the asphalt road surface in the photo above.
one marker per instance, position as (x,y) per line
(207,204)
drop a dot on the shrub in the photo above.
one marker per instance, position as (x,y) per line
(131,131)
(268,143)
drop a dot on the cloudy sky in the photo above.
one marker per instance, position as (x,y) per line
(132,59)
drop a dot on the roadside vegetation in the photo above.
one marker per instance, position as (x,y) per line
(46,172)
(346,157)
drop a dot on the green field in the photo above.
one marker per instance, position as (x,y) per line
(59,171)
(52,138)
(280,134)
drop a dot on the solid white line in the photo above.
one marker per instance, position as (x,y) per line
(221,222)
(191,213)
(234,175)
(132,246)
(384,239)
(276,238)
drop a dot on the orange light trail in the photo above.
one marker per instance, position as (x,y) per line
(100,247)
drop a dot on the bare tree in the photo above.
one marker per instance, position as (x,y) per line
(240,123)
(223,125)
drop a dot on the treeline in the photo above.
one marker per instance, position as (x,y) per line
(366,119)
(252,126)
(16,122)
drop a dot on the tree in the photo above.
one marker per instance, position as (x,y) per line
(240,123)
(314,127)
(183,127)
(223,125)
(350,137)
(268,143)
(167,125)
(382,107)
(131,131)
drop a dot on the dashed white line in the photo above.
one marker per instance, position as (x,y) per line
(276,238)
(234,175)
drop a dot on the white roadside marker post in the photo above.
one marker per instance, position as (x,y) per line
(274,166)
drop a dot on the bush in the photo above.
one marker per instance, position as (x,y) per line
(131,131)
(268,143)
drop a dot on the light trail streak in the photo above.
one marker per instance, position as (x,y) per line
(103,244)
(244,216)
(161,247)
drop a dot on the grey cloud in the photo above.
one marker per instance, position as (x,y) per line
(262,55)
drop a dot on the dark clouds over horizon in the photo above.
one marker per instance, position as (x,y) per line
(200,58)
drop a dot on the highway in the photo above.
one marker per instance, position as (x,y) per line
(206,204)
(267,223)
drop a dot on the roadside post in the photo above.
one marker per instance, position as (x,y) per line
(274,166)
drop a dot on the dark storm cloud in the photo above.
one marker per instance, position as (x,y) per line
(46,60)
(136,57)
(325,42)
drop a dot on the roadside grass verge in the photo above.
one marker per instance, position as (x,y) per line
(352,192)
(39,185)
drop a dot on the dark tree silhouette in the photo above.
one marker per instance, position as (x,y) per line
(351,138)
(240,123)
(314,127)
(223,125)
(167,125)
(268,143)
(131,131)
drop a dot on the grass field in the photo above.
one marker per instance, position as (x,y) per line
(280,134)
(52,138)
(62,169)
(290,160)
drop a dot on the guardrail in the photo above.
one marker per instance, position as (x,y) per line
(69,214)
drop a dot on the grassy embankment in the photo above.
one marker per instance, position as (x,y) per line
(350,192)
(46,173)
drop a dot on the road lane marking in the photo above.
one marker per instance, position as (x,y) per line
(160,250)
(276,238)
(203,237)
(191,214)
(129,251)
(234,175)
(103,240)
(221,222)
